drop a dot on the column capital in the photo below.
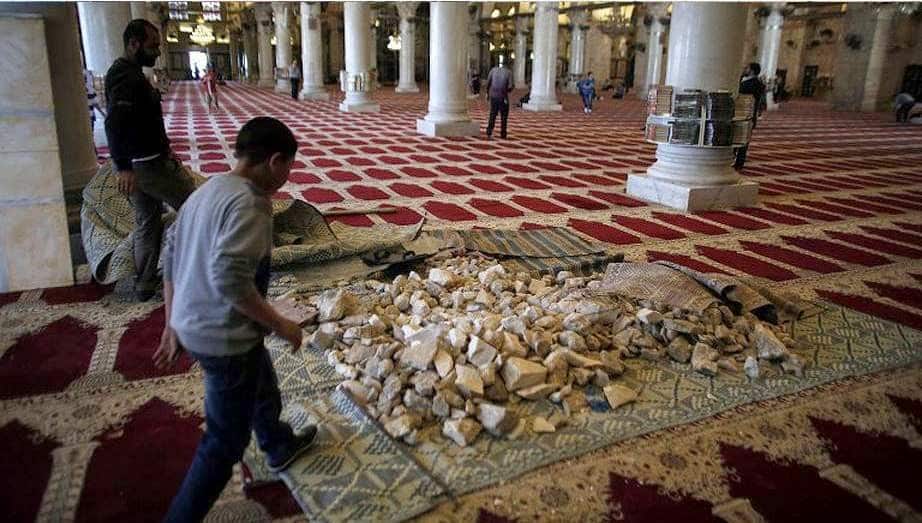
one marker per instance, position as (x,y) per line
(522,23)
(263,13)
(407,10)
(578,17)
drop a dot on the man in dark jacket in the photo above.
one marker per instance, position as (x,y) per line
(499,84)
(147,171)
(751,85)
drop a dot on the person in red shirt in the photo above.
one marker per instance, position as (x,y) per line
(210,83)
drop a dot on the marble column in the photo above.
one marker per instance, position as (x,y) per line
(407,82)
(264,31)
(161,16)
(373,41)
(337,41)
(139,10)
(101,26)
(521,50)
(235,35)
(543,95)
(655,45)
(473,38)
(448,108)
(312,53)
(703,54)
(578,28)
(357,81)
(641,42)
(251,49)
(771,48)
(48,147)
(871,100)
(280,13)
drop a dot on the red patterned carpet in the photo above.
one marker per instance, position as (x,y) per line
(90,431)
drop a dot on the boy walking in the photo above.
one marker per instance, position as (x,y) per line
(216,274)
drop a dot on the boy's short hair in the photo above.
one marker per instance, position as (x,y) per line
(137,29)
(755,68)
(262,137)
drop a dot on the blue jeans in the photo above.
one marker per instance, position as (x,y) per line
(241,393)
(587,100)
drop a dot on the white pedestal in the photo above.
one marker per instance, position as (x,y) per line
(359,107)
(282,85)
(539,107)
(406,89)
(320,95)
(690,198)
(447,128)
(266,82)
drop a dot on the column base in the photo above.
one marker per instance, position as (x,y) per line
(406,89)
(571,87)
(283,86)
(691,198)
(542,107)
(314,95)
(266,82)
(359,107)
(428,128)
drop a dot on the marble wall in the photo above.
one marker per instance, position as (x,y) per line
(905,49)
(598,54)
(34,247)
(852,64)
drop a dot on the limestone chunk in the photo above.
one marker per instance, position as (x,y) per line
(575,402)
(425,382)
(485,298)
(453,398)
(536,392)
(468,381)
(322,339)
(769,346)
(541,425)
(519,373)
(360,393)
(539,341)
(334,304)
(443,363)
(512,346)
(461,431)
(513,324)
(618,395)
(572,341)
(578,360)
(704,359)
(548,322)
(419,354)
(649,316)
(683,326)
(495,419)
(600,379)
(576,322)
(792,364)
(487,276)
(417,404)
(497,391)
(440,406)
(751,367)
(679,350)
(346,371)
(402,425)
(479,352)
(488,375)
(442,277)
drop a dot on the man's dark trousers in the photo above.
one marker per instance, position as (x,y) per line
(902,112)
(295,83)
(241,394)
(158,180)
(501,106)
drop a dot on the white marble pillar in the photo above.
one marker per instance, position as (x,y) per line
(337,41)
(357,80)
(655,45)
(373,41)
(641,40)
(578,28)
(473,38)
(521,50)
(407,82)
(264,35)
(281,12)
(101,26)
(251,50)
(235,35)
(871,100)
(703,54)
(543,95)
(771,48)
(448,109)
(312,53)
(139,10)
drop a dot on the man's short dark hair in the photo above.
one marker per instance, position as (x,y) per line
(755,68)
(137,29)
(262,137)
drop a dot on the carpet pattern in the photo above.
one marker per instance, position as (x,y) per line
(839,219)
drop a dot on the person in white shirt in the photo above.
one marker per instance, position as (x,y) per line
(294,74)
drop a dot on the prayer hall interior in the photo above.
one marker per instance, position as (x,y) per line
(593,315)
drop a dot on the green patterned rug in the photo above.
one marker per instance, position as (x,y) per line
(358,473)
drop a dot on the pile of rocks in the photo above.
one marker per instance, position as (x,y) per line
(460,347)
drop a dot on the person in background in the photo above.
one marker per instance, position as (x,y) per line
(92,98)
(147,171)
(210,84)
(499,85)
(903,103)
(751,85)
(586,88)
(475,82)
(294,75)
(216,275)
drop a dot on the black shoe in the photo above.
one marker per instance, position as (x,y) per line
(300,445)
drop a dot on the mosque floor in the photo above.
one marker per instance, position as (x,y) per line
(839,219)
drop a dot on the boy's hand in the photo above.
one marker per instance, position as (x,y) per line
(124,180)
(169,349)
(291,332)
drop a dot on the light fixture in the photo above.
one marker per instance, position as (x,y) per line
(202,35)
(492,47)
(185,28)
(495,14)
(512,55)
(393,42)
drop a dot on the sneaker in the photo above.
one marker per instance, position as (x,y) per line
(301,444)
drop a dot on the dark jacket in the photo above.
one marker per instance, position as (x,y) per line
(134,123)
(756,88)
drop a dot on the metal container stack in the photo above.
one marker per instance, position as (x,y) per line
(698,118)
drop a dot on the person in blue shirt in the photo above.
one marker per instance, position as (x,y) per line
(586,88)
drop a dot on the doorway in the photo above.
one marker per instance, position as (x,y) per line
(912,81)
(808,88)
(198,63)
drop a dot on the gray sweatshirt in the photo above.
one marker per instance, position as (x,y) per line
(219,248)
